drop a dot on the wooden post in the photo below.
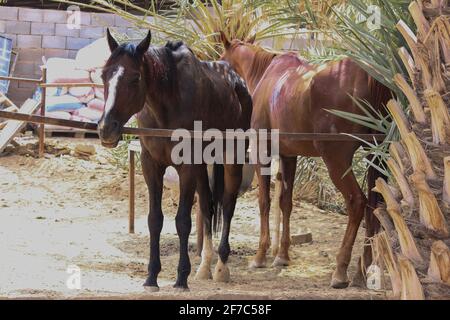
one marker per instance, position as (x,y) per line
(131,173)
(42,126)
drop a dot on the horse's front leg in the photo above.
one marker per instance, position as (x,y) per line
(232,182)
(187,175)
(153,174)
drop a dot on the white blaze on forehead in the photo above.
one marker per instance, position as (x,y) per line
(112,89)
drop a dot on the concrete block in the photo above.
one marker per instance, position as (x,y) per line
(136,33)
(55,16)
(61,29)
(24,68)
(56,53)
(303,236)
(77,43)
(18,27)
(35,15)
(92,32)
(2,26)
(43,28)
(29,41)
(30,54)
(85,18)
(53,42)
(102,19)
(121,22)
(9,13)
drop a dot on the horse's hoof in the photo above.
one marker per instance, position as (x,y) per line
(274,252)
(358,281)
(221,272)
(181,289)
(151,288)
(203,273)
(151,285)
(339,282)
(280,262)
(256,264)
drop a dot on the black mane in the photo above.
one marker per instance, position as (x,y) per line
(125,48)
(174,45)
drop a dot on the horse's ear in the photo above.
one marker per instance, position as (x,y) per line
(224,39)
(111,41)
(145,44)
(252,39)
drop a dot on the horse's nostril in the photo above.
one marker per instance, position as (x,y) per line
(114,125)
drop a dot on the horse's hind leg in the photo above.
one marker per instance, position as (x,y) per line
(372,227)
(232,182)
(187,174)
(204,194)
(153,175)
(338,163)
(288,167)
(259,261)
(364,261)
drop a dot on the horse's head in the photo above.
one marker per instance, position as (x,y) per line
(124,85)
(238,53)
(247,59)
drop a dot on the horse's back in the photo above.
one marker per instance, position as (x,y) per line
(279,99)
(225,97)
(210,92)
(335,88)
(294,96)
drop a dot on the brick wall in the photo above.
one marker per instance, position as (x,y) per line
(37,33)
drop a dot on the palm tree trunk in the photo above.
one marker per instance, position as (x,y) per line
(414,243)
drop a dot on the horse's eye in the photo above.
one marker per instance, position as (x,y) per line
(134,80)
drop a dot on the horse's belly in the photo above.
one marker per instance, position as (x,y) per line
(160,149)
(293,148)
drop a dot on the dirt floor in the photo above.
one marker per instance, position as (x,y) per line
(60,211)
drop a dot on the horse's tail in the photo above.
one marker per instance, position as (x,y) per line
(374,198)
(217,189)
(380,96)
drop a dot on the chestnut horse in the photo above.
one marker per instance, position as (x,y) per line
(292,95)
(168,87)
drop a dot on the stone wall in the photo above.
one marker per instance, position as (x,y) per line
(37,33)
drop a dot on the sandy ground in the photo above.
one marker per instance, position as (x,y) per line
(60,212)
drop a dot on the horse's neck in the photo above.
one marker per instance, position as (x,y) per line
(255,70)
(154,113)
(159,88)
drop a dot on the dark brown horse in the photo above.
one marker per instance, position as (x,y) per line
(168,87)
(292,95)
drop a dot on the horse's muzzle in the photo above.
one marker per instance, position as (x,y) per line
(109,132)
